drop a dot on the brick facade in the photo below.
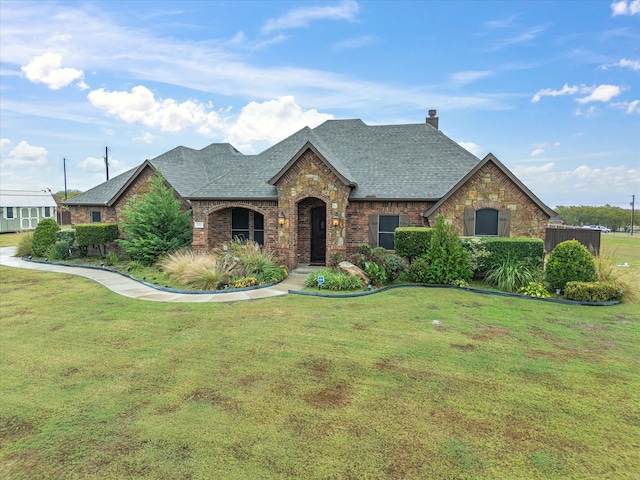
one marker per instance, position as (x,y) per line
(490,187)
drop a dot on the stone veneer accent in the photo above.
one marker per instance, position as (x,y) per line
(491,188)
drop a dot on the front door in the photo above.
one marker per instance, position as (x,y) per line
(318,235)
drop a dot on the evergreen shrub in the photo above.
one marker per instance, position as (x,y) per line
(570,261)
(44,236)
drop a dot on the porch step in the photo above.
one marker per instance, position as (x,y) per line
(305,269)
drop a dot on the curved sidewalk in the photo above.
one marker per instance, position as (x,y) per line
(135,289)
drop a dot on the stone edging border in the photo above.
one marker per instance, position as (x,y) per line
(473,290)
(157,287)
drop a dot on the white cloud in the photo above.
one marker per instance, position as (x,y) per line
(601,93)
(26,155)
(624,63)
(471,147)
(537,151)
(354,43)
(579,183)
(589,112)
(4,142)
(271,121)
(140,106)
(549,92)
(301,17)
(47,69)
(464,78)
(625,7)
(145,137)
(93,164)
(628,107)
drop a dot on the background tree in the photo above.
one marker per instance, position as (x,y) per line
(615,218)
(154,224)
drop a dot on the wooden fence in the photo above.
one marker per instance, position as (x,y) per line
(588,238)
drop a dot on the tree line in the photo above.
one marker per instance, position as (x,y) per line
(615,218)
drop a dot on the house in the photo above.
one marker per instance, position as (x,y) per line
(331,188)
(23,210)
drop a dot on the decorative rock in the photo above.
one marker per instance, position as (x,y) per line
(231,266)
(351,269)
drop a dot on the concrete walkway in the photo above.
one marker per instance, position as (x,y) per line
(134,289)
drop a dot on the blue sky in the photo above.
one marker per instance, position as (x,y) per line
(551,88)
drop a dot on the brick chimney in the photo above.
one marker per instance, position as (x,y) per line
(432,119)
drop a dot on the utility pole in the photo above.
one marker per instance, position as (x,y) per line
(633,202)
(106,160)
(64,169)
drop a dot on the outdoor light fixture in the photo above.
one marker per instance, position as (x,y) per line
(281,218)
(336,220)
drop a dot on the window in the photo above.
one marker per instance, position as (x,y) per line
(386,226)
(95,217)
(10,212)
(258,227)
(381,229)
(487,222)
(247,225)
(47,211)
(240,224)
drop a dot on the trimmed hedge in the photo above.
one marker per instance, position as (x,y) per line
(499,249)
(570,261)
(96,234)
(412,242)
(592,291)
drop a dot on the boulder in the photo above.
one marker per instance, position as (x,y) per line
(231,266)
(351,269)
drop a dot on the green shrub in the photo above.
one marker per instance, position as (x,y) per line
(607,271)
(335,258)
(96,234)
(412,242)
(448,260)
(376,273)
(394,266)
(154,225)
(512,274)
(333,280)
(534,289)
(68,236)
(111,258)
(59,250)
(24,243)
(570,261)
(418,270)
(486,252)
(44,237)
(592,291)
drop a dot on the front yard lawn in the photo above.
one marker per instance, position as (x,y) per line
(409,383)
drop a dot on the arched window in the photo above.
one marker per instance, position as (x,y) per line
(247,225)
(487,222)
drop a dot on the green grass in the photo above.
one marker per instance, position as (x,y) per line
(94,386)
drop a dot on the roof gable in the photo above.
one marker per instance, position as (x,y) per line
(490,158)
(341,172)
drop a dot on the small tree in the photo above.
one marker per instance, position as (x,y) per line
(44,237)
(448,260)
(154,225)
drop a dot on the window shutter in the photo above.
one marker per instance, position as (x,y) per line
(404,221)
(504,222)
(469,222)
(373,230)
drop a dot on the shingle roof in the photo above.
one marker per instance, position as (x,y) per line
(401,162)
(26,198)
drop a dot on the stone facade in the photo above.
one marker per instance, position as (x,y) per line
(491,188)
